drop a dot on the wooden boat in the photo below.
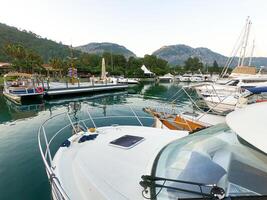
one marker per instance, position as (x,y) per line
(190,121)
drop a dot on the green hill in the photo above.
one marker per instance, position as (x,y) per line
(46,48)
(178,54)
(100,48)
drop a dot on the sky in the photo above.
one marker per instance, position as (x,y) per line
(142,26)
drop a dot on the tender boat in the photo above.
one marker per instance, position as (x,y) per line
(20,86)
(129,162)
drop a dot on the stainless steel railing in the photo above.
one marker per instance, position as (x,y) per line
(44,143)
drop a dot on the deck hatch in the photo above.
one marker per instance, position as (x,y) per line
(127,141)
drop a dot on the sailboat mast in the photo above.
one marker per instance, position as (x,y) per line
(252,52)
(245,42)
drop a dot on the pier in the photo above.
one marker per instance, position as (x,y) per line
(74,89)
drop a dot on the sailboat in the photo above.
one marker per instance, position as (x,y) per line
(225,92)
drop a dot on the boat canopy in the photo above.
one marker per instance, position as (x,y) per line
(250,124)
(169,75)
(18,74)
(257,90)
(244,70)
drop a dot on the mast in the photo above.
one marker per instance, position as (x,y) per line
(236,48)
(244,48)
(252,52)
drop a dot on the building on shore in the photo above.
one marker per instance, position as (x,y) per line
(5,67)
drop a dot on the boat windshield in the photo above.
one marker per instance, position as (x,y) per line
(232,82)
(212,156)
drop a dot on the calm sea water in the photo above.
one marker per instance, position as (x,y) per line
(22,173)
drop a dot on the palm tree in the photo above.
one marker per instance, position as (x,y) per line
(33,60)
(18,53)
(57,64)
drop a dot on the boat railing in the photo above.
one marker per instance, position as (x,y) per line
(53,84)
(215,96)
(45,143)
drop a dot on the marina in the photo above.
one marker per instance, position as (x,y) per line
(133,100)
(23,147)
(125,143)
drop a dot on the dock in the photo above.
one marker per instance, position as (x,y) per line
(57,90)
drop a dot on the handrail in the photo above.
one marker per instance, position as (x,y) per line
(44,144)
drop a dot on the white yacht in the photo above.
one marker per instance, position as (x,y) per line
(185,78)
(197,78)
(19,86)
(130,162)
(227,103)
(125,80)
(167,77)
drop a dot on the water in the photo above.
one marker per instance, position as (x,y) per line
(22,174)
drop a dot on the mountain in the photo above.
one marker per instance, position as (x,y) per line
(177,54)
(46,48)
(99,48)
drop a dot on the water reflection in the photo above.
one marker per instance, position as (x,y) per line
(10,111)
(20,158)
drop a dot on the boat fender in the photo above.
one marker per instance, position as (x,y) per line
(65,144)
(87,138)
(92,130)
(39,89)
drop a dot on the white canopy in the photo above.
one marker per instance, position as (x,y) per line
(146,71)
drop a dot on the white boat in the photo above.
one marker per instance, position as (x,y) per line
(167,77)
(19,86)
(230,86)
(192,120)
(125,80)
(129,162)
(225,104)
(185,78)
(197,78)
(128,80)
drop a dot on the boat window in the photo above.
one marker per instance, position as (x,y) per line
(127,141)
(254,81)
(213,156)
(233,82)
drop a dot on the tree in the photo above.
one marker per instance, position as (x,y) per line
(193,64)
(156,65)
(33,60)
(58,64)
(215,64)
(18,55)
(23,59)
(215,68)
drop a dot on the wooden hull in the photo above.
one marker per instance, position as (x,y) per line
(177,122)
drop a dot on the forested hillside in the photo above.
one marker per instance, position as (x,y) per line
(44,47)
